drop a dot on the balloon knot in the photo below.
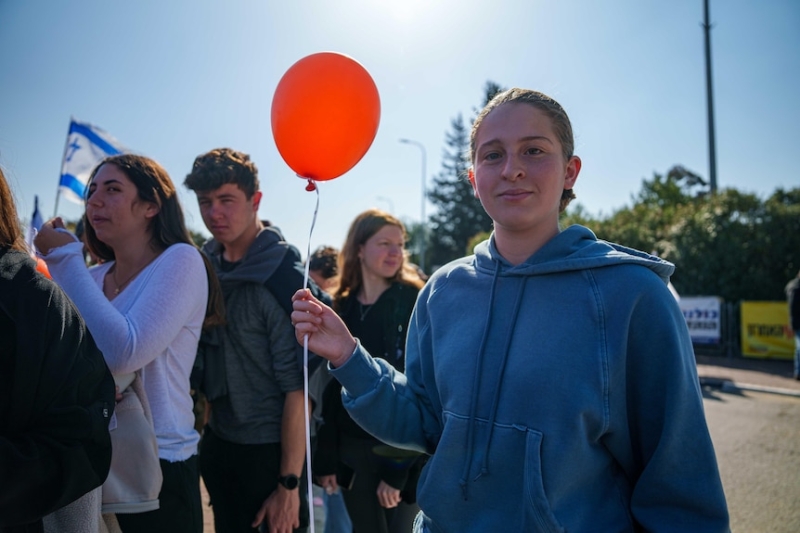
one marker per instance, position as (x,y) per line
(311,186)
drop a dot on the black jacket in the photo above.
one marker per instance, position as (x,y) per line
(56,397)
(399,468)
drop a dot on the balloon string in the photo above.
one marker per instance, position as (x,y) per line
(305,372)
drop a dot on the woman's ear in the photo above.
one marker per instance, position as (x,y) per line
(572,171)
(152,210)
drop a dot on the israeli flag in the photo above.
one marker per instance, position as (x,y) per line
(87,145)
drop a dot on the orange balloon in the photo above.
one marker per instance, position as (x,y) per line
(325,114)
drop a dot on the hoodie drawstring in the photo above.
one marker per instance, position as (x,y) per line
(464,481)
(473,407)
(509,335)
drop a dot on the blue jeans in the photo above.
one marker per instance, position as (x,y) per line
(336,518)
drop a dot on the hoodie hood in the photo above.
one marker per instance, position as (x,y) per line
(259,263)
(575,248)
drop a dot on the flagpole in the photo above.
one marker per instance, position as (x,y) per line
(63,157)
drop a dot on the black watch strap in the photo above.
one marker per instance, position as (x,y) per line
(289,481)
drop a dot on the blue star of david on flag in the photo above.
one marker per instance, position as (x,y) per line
(87,145)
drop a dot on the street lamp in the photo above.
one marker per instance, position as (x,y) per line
(422,203)
(388,201)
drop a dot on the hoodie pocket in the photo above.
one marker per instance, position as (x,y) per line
(509,496)
(539,511)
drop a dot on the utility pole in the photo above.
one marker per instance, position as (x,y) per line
(712,146)
(423,222)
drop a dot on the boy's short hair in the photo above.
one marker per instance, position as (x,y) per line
(214,169)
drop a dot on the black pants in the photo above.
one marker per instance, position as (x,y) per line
(361,500)
(239,477)
(179,509)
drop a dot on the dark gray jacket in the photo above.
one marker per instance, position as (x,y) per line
(270,262)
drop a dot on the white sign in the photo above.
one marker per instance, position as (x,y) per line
(703,315)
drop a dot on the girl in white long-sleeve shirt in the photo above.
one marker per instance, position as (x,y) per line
(145,305)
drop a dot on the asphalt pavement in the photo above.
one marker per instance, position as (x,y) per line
(746,373)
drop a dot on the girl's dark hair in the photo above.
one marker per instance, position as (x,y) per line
(10,232)
(167,227)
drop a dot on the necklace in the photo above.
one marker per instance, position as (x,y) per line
(363,310)
(119,286)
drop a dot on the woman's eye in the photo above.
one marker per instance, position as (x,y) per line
(491,156)
(533,151)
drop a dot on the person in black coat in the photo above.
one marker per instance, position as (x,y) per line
(375,297)
(56,392)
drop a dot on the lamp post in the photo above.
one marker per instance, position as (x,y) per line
(388,201)
(422,203)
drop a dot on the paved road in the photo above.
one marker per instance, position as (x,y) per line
(757,440)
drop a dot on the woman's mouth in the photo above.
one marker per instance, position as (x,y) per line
(515,194)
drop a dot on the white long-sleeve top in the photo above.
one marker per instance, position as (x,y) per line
(152,326)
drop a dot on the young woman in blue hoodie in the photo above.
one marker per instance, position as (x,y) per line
(550,375)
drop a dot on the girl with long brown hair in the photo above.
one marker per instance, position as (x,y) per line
(376,294)
(145,304)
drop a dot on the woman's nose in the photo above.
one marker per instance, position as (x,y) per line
(93,199)
(513,168)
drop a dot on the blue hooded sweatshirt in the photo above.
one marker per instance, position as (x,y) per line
(558,395)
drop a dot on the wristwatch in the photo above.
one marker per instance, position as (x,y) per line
(289,481)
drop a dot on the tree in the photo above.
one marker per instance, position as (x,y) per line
(459,215)
(715,247)
(731,244)
(415,234)
(198,238)
(490,90)
(738,247)
(656,208)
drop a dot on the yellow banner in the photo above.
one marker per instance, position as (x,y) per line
(765,330)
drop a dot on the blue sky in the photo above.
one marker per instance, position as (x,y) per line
(173,79)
